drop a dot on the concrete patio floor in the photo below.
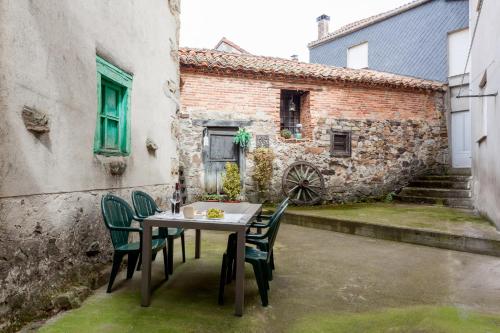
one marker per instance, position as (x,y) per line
(324,282)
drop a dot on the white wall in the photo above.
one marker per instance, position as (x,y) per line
(458,47)
(486,154)
(47,60)
(51,185)
(357,56)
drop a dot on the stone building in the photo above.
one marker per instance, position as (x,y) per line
(368,132)
(65,143)
(427,39)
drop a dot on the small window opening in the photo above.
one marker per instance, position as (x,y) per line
(340,143)
(290,109)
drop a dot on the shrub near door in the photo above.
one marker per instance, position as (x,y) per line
(231,181)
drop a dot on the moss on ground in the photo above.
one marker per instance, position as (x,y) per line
(411,319)
(324,282)
(436,218)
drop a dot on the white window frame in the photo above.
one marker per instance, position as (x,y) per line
(457,52)
(357,56)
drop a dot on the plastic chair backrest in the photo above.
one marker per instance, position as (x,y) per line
(144,204)
(117,213)
(282,203)
(273,230)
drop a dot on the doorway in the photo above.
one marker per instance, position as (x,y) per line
(218,149)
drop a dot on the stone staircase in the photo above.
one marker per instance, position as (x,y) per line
(450,189)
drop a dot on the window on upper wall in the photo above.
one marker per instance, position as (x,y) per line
(340,143)
(357,56)
(112,135)
(290,108)
(458,46)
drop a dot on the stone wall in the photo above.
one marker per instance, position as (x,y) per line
(51,230)
(396,133)
(51,243)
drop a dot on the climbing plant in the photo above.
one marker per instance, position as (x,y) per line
(263,172)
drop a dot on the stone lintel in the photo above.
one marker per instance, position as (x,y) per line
(221,123)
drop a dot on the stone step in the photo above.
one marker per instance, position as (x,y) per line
(459,185)
(467,241)
(450,178)
(459,171)
(435,192)
(465,203)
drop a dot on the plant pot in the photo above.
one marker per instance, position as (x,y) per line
(232,201)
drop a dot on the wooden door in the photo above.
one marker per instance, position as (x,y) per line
(220,150)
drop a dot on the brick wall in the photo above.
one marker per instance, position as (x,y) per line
(396,133)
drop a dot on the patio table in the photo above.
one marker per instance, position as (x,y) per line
(238,217)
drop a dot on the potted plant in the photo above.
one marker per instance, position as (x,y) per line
(242,138)
(231,183)
(286,133)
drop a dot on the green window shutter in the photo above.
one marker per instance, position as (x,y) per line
(112,135)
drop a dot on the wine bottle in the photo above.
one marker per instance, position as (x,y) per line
(176,200)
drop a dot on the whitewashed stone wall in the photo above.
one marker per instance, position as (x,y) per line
(51,230)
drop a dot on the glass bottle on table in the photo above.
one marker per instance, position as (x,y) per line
(175,201)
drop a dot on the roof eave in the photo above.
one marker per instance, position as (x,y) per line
(334,36)
(273,75)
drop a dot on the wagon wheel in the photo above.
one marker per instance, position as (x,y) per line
(303,183)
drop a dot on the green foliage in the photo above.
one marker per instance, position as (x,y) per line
(286,134)
(242,138)
(231,182)
(389,197)
(263,158)
(212,197)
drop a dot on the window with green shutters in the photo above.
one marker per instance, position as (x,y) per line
(112,136)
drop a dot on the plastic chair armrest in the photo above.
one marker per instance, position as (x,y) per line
(255,236)
(131,229)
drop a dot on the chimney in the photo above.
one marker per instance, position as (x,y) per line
(294,57)
(323,21)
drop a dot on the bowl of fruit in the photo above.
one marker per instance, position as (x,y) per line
(215,214)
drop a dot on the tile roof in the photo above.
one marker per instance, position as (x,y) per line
(235,46)
(354,26)
(205,60)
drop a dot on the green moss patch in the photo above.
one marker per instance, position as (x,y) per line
(412,319)
(434,218)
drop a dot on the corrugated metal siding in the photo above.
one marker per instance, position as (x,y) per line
(413,43)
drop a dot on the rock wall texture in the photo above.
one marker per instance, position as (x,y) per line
(51,243)
(396,134)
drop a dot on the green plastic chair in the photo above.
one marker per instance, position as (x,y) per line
(260,260)
(261,240)
(144,206)
(253,256)
(259,224)
(118,216)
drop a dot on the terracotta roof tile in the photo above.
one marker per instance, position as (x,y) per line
(224,62)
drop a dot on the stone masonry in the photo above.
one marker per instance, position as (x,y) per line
(396,133)
(51,242)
